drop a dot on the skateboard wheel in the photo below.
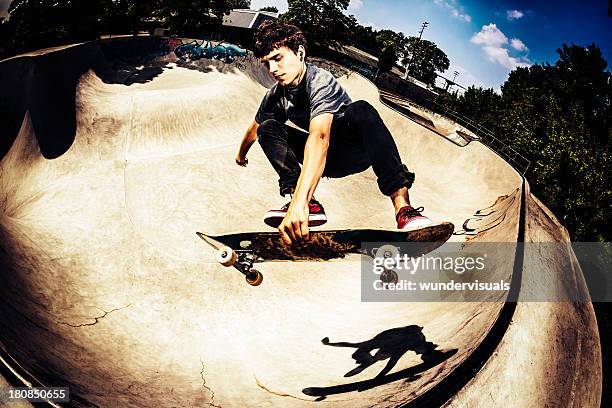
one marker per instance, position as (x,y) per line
(226,256)
(254,277)
(387,251)
(389,276)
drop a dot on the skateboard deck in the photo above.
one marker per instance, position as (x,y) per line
(243,249)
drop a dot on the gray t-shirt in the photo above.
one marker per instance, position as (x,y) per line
(319,92)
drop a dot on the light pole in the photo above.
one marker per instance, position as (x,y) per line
(424,25)
(449,83)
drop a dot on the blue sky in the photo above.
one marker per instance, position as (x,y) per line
(485,40)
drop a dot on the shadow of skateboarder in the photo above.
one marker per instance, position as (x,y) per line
(391,344)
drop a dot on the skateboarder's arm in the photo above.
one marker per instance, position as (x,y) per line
(315,156)
(294,226)
(248,139)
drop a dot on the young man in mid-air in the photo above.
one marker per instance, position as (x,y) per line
(339,137)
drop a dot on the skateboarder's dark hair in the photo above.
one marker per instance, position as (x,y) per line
(273,34)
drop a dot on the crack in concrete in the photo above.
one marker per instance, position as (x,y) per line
(280,394)
(206,387)
(97,318)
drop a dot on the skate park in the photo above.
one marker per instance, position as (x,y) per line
(114,154)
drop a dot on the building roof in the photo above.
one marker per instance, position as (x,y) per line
(246,18)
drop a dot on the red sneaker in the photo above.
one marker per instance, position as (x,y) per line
(316,215)
(409,218)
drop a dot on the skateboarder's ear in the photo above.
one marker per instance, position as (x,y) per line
(301,53)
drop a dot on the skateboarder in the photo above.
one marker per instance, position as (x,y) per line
(339,137)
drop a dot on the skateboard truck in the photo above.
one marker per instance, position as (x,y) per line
(387,251)
(240,259)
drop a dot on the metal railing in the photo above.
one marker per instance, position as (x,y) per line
(487,137)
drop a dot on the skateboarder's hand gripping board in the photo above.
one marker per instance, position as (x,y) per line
(294,227)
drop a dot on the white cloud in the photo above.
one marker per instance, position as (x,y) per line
(465,17)
(355,4)
(494,44)
(455,9)
(514,14)
(518,45)
(501,56)
(490,35)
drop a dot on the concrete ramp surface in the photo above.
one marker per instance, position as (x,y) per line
(114,154)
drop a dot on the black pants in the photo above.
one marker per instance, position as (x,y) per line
(359,139)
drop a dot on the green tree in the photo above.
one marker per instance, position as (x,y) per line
(559,117)
(192,17)
(584,77)
(37,24)
(386,61)
(563,114)
(387,38)
(423,58)
(269,8)
(239,4)
(322,21)
(136,11)
(366,37)
(481,103)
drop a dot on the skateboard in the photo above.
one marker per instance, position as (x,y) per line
(242,250)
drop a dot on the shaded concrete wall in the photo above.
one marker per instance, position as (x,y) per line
(551,353)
